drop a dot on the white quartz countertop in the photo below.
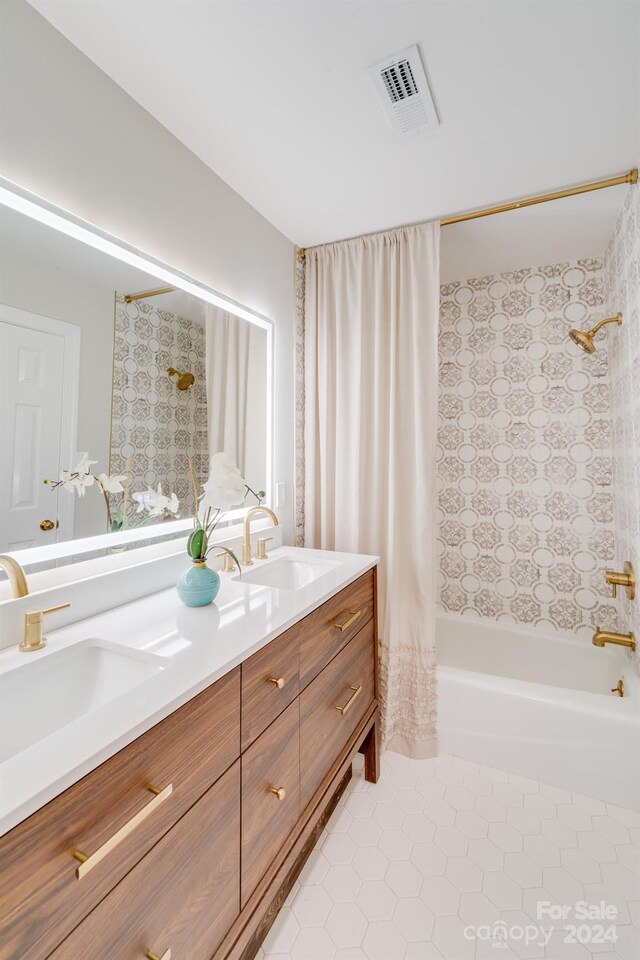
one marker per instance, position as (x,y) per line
(192,647)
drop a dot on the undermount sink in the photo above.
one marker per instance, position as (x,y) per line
(41,696)
(288,573)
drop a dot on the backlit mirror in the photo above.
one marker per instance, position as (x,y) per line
(106,362)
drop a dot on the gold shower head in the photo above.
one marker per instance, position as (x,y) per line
(184,381)
(584,338)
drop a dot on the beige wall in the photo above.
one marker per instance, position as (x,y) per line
(70,134)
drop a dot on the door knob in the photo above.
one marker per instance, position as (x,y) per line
(47,525)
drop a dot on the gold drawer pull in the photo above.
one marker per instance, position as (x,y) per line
(352,619)
(88,862)
(357,690)
(150,955)
(279,681)
(278,792)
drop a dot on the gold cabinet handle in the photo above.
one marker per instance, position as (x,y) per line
(150,955)
(354,614)
(278,792)
(88,862)
(46,525)
(357,690)
(278,681)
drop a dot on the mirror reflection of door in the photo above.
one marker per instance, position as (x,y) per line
(38,396)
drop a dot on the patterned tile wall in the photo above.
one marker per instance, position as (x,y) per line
(524,446)
(622,290)
(155,426)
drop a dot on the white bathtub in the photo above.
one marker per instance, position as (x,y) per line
(539,705)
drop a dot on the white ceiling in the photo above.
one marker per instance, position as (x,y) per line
(275,97)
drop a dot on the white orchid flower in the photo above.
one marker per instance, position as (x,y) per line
(113,483)
(155,503)
(225,487)
(74,481)
(145,499)
(84,464)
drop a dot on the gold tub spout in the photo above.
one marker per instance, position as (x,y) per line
(601,637)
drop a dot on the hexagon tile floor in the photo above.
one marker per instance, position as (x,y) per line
(446,860)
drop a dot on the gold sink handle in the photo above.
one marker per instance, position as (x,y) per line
(33,638)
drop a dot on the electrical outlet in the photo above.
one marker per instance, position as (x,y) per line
(280,494)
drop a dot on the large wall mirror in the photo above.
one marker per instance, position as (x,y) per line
(103,361)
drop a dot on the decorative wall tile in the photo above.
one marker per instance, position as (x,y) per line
(524,445)
(622,292)
(154,426)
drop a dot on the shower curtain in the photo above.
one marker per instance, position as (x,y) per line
(370,407)
(229,346)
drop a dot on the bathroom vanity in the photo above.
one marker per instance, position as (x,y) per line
(184,843)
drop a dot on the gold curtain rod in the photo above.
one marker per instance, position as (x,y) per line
(130,297)
(630,177)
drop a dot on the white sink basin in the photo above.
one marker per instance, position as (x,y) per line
(288,573)
(40,696)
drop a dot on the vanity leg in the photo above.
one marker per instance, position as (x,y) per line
(371,750)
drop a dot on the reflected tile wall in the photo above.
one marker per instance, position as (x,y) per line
(622,287)
(524,447)
(155,426)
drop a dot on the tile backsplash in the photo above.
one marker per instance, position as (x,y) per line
(524,445)
(622,292)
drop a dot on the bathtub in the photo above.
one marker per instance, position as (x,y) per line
(539,705)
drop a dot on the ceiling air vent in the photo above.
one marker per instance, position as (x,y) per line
(402,86)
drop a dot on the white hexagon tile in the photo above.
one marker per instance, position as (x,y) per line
(446,860)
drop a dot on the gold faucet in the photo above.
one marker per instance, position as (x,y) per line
(625,579)
(246,527)
(601,637)
(16,576)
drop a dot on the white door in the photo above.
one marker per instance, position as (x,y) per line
(37,428)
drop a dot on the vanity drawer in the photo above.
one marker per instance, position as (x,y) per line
(270,764)
(183,896)
(331,708)
(270,681)
(41,898)
(329,628)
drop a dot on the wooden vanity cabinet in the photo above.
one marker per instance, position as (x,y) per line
(331,708)
(41,898)
(255,768)
(270,795)
(330,628)
(182,896)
